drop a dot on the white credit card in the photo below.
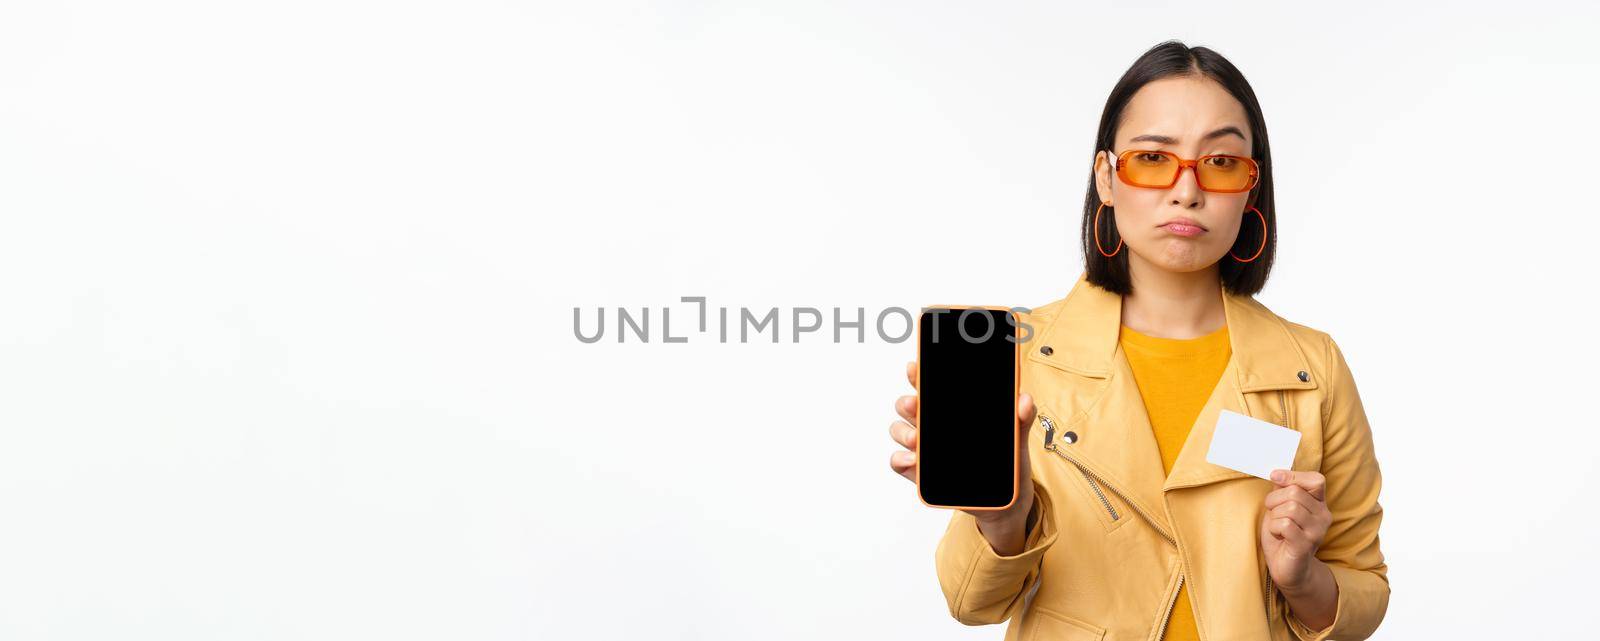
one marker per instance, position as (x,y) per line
(1251,445)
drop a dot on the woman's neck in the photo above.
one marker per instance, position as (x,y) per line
(1172,304)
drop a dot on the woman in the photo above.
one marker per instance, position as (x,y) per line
(1123,530)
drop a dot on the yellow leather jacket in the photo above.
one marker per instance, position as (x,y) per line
(1116,537)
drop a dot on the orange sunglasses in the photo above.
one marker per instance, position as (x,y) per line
(1219,173)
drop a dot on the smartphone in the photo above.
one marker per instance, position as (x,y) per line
(967,382)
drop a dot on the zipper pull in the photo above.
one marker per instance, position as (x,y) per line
(1049,432)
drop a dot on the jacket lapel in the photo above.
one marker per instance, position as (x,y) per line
(1115,439)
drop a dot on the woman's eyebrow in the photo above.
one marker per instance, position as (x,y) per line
(1169,140)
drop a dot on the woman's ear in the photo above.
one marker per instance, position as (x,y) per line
(1102,175)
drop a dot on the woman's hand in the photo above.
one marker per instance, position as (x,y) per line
(1292,529)
(1005,529)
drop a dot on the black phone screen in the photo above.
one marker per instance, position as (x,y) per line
(966,391)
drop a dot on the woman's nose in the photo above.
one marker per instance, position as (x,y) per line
(1186,192)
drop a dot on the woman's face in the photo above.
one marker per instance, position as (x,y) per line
(1190,117)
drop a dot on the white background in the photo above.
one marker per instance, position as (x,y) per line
(286,293)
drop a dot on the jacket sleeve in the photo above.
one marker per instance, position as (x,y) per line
(981,586)
(1350,547)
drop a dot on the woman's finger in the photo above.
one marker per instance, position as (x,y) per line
(911,373)
(906,407)
(1273,526)
(1316,517)
(1294,535)
(1025,413)
(1286,529)
(1312,482)
(1292,493)
(905,464)
(1294,511)
(904,434)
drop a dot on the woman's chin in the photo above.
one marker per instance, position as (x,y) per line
(1182,255)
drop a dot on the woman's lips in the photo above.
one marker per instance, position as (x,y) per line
(1182,229)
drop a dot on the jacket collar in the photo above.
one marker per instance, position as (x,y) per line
(1083,339)
(1114,438)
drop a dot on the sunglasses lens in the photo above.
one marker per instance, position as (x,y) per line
(1149,169)
(1227,173)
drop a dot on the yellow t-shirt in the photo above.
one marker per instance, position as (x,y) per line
(1175,377)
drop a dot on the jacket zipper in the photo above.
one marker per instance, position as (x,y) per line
(1049,433)
(1049,444)
(1272,604)
(1171,604)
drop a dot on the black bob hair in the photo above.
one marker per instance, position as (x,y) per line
(1166,60)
